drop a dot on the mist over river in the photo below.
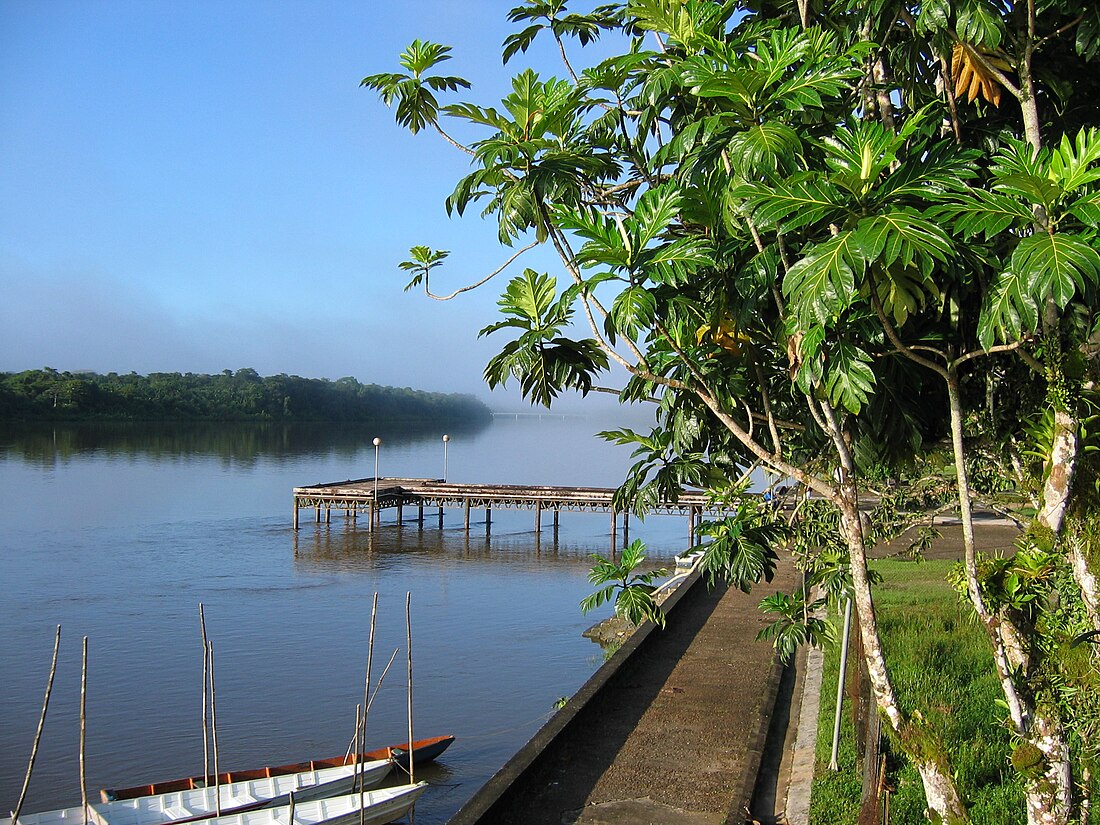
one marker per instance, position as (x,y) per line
(119,532)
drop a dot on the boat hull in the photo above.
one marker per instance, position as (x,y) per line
(236,797)
(423,750)
(379,807)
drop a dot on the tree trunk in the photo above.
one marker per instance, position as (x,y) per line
(1083,572)
(941,794)
(1049,795)
(1059,471)
(1005,658)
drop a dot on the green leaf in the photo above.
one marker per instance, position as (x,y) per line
(520,41)
(1070,163)
(822,285)
(633,311)
(986,213)
(849,379)
(424,259)
(793,204)
(903,290)
(763,148)
(979,22)
(1086,208)
(1008,311)
(656,210)
(902,236)
(1055,265)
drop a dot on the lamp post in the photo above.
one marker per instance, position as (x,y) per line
(446,440)
(377,443)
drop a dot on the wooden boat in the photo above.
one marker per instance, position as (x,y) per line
(422,750)
(369,808)
(235,797)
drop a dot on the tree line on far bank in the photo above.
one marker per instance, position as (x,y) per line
(243,395)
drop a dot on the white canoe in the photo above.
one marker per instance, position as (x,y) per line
(369,808)
(199,803)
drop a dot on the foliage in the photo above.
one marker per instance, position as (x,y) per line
(631,591)
(542,359)
(814,239)
(743,544)
(795,624)
(36,395)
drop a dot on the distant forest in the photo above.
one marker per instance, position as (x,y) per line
(244,395)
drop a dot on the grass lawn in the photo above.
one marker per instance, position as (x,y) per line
(940,663)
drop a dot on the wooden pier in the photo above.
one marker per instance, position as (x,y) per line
(372,495)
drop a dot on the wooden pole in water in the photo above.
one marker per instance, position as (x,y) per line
(381,678)
(38,733)
(205,701)
(353,745)
(214,730)
(366,698)
(408,648)
(84,729)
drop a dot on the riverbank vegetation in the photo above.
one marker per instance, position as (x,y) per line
(853,244)
(244,395)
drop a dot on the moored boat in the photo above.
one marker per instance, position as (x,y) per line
(368,808)
(422,750)
(192,804)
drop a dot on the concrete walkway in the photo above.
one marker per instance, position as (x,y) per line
(672,735)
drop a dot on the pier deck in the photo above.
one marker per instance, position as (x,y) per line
(371,495)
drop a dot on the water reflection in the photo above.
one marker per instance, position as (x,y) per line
(345,547)
(237,443)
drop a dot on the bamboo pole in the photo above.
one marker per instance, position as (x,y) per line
(290,814)
(84,729)
(205,701)
(408,648)
(214,730)
(38,733)
(354,743)
(378,687)
(366,708)
(353,746)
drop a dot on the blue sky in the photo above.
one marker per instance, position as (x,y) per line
(202,185)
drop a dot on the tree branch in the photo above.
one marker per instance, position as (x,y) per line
(484,280)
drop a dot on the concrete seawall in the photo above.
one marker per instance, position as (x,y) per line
(669,730)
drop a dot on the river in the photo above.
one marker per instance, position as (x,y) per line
(117,533)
